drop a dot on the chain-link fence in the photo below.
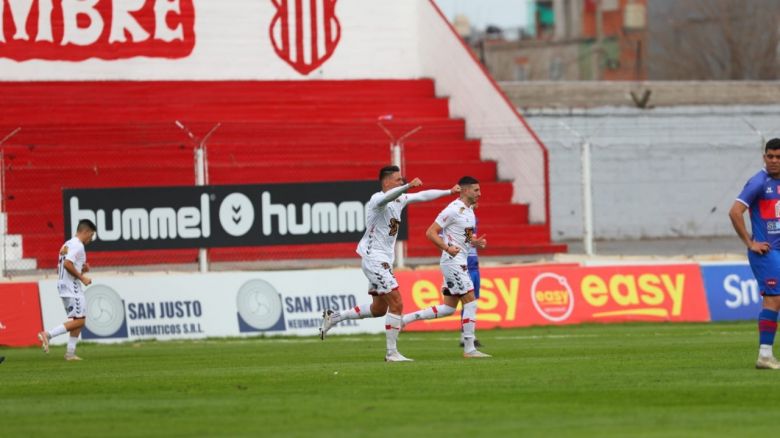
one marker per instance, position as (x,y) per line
(660,173)
(655,173)
(38,162)
(41,162)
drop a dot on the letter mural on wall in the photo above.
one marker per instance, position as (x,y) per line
(221,216)
(76,30)
(305,33)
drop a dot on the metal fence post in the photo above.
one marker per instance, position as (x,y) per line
(397,158)
(587,189)
(201,178)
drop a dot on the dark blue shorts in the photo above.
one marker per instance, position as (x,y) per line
(766,269)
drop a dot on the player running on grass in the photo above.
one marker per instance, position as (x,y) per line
(453,233)
(377,250)
(472,263)
(762,196)
(71,268)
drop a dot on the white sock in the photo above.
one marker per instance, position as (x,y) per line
(469,325)
(357,312)
(72,341)
(56,331)
(432,312)
(392,327)
(765,350)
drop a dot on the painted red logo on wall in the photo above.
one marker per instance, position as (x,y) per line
(305,33)
(75,30)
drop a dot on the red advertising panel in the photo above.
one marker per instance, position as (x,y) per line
(20,314)
(69,30)
(542,295)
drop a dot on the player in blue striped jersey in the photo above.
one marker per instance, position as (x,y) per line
(761,196)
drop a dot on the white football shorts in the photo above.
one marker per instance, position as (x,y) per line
(456,279)
(380,276)
(75,306)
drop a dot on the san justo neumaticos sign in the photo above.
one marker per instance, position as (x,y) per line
(221,216)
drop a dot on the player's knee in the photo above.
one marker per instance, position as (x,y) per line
(396,307)
(445,310)
(378,312)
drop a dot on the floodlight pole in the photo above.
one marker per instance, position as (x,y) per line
(397,158)
(201,177)
(4,232)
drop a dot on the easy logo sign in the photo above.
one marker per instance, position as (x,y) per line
(524,296)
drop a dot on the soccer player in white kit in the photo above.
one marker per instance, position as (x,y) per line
(377,250)
(71,268)
(453,233)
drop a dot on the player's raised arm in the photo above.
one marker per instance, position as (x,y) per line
(393,194)
(430,195)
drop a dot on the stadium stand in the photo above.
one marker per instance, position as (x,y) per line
(115,134)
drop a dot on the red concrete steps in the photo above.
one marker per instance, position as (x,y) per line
(271,111)
(107,135)
(333,150)
(100,176)
(212,91)
(143,136)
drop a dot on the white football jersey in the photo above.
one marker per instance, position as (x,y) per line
(457,222)
(382,224)
(72,250)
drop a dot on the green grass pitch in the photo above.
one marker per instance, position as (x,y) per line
(636,380)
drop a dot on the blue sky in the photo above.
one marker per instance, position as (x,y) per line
(504,13)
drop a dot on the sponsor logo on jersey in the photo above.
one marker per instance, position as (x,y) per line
(769,208)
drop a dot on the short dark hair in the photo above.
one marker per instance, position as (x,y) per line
(467,181)
(387,171)
(86,224)
(773,144)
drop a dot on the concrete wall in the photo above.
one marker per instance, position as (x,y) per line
(545,94)
(658,173)
(537,61)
